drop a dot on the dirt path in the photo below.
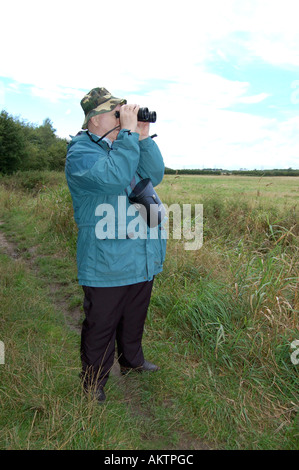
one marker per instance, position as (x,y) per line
(127,385)
(7,247)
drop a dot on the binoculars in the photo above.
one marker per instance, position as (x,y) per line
(144,115)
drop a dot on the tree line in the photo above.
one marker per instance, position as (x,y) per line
(210,171)
(25,146)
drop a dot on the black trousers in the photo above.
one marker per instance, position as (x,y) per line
(112,314)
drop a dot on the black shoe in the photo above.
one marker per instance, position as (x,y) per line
(100,395)
(146,367)
(92,390)
(97,394)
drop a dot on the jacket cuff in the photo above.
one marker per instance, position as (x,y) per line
(123,132)
(146,143)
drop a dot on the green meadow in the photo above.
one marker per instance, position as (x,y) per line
(221,324)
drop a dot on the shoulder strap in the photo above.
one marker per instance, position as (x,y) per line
(101,138)
(132,184)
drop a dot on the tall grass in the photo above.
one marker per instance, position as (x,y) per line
(226,314)
(236,301)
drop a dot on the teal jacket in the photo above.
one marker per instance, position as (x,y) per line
(99,178)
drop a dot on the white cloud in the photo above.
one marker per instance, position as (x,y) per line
(56,93)
(254,98)
(64,44)
(63,49)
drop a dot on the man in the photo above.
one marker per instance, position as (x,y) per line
(104,162)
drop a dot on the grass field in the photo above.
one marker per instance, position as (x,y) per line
(220,324)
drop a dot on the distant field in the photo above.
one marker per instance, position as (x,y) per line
(279,191)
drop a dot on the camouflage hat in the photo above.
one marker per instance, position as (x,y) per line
(98,101)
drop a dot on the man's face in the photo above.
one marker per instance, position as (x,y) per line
(107,121)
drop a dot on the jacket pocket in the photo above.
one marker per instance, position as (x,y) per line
(120,258)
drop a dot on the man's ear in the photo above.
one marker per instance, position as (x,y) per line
(94,120)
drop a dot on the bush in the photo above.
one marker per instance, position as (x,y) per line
(13,151)
(25,146)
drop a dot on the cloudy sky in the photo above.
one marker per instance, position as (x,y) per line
(223,76)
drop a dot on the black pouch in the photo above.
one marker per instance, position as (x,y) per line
(147,201)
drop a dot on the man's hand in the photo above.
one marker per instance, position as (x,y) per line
(128,117)
(143,129)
